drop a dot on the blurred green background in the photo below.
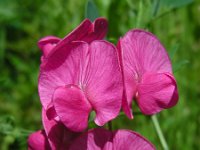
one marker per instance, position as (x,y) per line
(24,22)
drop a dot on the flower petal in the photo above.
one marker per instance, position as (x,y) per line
(156,92)
(102,81)
(101,139)
(47,43)
(129,140)
(62,68)
(38,141)
(72,107)
(140,52)
(58,135)
(98,30)
(94,139)
(86,31)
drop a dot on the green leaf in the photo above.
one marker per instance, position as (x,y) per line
(91,11)
(179,65)
(175,3)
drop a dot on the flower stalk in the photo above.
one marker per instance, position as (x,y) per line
(159,132)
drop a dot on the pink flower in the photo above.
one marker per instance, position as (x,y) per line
(86,31)
(101,139)
(147,73)
(78,78)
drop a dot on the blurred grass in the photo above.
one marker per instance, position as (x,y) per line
(22,23)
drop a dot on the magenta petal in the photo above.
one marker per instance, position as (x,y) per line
(58,135)
(86,31)
(62,68)
(129,140)
(101,139)
(46,44)
(129,85)
(98,30)
(95,139)
(102,81)
(38,141)
(72,107)
(157,91)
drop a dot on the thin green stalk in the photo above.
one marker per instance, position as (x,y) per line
(159,132)
(140,13)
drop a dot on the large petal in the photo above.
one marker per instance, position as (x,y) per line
(38,141)
(64,67)
(58,135)
(101,139)
(140,52)
(72,107)
(157,91)
(102,81)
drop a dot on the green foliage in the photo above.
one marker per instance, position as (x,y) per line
(91,11)
(22,23)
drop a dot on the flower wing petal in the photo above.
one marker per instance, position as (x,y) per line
(156,92)
(72,107)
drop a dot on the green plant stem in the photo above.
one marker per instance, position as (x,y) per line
(140,13)
(159,132)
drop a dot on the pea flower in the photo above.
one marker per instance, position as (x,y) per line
(147,73)
(102,139)
(79,78)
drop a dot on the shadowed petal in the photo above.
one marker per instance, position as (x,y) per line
(58,135)
(72,107)
(157,91)
(101,139)
(102,81)
(38,141)
(95,139)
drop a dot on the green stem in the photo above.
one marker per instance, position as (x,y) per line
(140,13)
(159,132)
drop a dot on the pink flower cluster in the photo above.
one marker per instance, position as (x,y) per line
(82,73)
